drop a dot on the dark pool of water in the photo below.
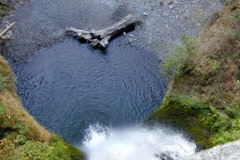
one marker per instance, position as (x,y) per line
(69,86)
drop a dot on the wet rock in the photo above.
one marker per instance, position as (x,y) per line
(229,151)
(145,13)
(171,6)
(169,2)
(131,35)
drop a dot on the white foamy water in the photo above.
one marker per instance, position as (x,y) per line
(135,143)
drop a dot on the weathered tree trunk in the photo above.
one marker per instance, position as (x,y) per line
(101,38)
(6,34)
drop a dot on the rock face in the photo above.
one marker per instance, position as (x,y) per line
(229,151)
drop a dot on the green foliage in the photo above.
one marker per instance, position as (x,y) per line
(23,149)
(233,111)
(204,97)
(37,150)
(227,2)
(20,127)
(60,147)
(21,139)
(2,109)
(3,81)
(227,134)
(214,64)
(5,9)
(179,110)
(179,54)
(208,126)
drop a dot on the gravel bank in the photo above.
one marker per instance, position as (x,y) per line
(43,22)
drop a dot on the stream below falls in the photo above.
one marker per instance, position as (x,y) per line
(69,86)
(97,99)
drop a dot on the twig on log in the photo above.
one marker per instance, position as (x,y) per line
(6,30)
(101,38)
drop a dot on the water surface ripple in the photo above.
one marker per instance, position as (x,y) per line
(69,86)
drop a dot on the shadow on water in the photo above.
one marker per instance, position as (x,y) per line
(70,86)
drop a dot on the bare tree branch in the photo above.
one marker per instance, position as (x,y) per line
(6,30)
(101,38)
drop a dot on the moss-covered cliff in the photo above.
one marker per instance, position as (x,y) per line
(204,96)
(21,137)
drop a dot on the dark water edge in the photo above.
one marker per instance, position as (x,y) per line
(69,86)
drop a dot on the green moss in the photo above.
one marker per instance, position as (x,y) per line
(2,109)
(3,81)
(179,56)
(57,150)
(6,77)
(189,113)
(5,9)
(60,147)
(13,137)
(32,150)
(204,123)
(36,150)
(205,99)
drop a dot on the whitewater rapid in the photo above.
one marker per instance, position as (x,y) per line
(135,143)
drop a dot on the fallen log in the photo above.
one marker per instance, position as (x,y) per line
(101,38)
(5,31)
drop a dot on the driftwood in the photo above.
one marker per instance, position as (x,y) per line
(6,34)
(101,38)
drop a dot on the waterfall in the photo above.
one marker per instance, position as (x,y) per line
(135,143)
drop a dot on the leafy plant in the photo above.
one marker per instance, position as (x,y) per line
(37,150)
(178,56)
(2,109)
(233,111)
(5,8)
(20,127)
(227,2)
(3,81)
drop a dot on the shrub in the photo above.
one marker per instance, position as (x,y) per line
(5,8)
(37,150)
(3,81)
(179,54)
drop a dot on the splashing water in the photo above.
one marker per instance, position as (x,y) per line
(135,143)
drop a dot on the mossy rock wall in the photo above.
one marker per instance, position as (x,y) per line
(204,96)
